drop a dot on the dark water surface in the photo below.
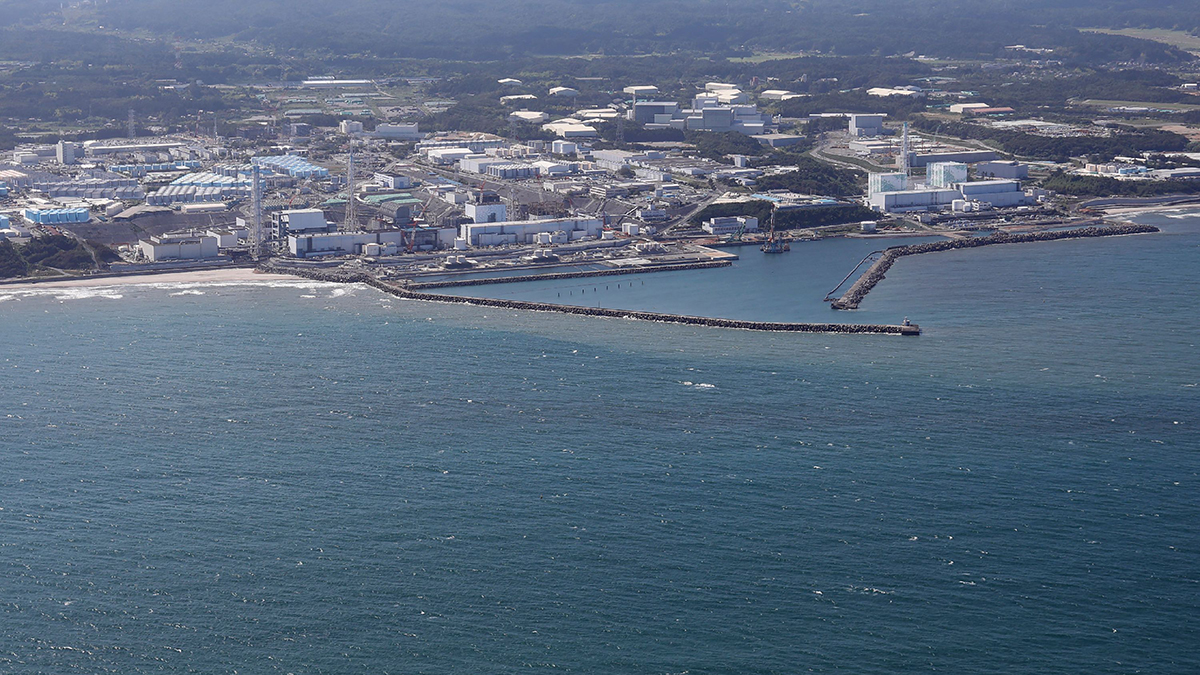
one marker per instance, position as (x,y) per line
(306,478)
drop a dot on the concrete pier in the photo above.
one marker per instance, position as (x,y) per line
(859,290)
(457,283)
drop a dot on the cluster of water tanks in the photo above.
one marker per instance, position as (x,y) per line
(57,216)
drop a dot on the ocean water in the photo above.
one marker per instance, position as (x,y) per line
(757,287)
(297,477)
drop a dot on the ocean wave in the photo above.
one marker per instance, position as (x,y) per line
(115,291)
(85,293)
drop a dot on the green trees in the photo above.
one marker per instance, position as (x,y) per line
(814,177)
(11,262)
(1060,149)
(1103,186)
(716,145)
(788,219)
(57,251)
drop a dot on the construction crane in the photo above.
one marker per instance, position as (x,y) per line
(351,208)
(256,215)
(736,236)
(774,244)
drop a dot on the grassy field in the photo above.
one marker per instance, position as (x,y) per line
(764,57)
(1100,103)
(1175,38)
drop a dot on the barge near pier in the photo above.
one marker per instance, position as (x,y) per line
(859,290)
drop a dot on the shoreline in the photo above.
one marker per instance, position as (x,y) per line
(1126,211)
(227,275)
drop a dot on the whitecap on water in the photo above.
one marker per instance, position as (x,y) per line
(85,293)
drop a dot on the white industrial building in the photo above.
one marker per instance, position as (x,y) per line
(564,92)
(570,128)
(477,163)
(722,111)
(998,193)
(528,116)
(393,181)
(383,242)
(178,246)
(526,231)
(778,95)
(866,125)
(945,174)
(913,200)
(641,90)
(350,127)
(445,156)
(398,132)
(1010,170)
(548,168)
(300,221)
(886,182)
(730,224)
(65,152)
(517,98)
(225,238)
(98,148)
(883,92)
(960,108)
(564,148)
(593,115)
(965,156)
(486,213)
(512,171)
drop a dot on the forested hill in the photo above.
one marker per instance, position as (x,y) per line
(489,29)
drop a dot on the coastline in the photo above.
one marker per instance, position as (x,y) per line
(227,275)
(1127,211)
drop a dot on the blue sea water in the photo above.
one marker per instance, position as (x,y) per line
(299,478)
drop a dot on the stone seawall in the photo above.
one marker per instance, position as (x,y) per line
(456,283)
(341,276)
(859,290)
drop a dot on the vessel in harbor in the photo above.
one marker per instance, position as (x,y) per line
(774,244)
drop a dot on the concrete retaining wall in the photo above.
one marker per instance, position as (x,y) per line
(456,283)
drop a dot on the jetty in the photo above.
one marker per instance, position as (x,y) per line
(408,293)
(877,271)
(581,274)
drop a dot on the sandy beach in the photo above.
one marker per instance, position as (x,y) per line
(232,275)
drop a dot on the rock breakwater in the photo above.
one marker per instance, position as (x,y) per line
(876,273)
(351,276)
(456,283)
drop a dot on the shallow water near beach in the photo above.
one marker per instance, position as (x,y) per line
(298,477)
